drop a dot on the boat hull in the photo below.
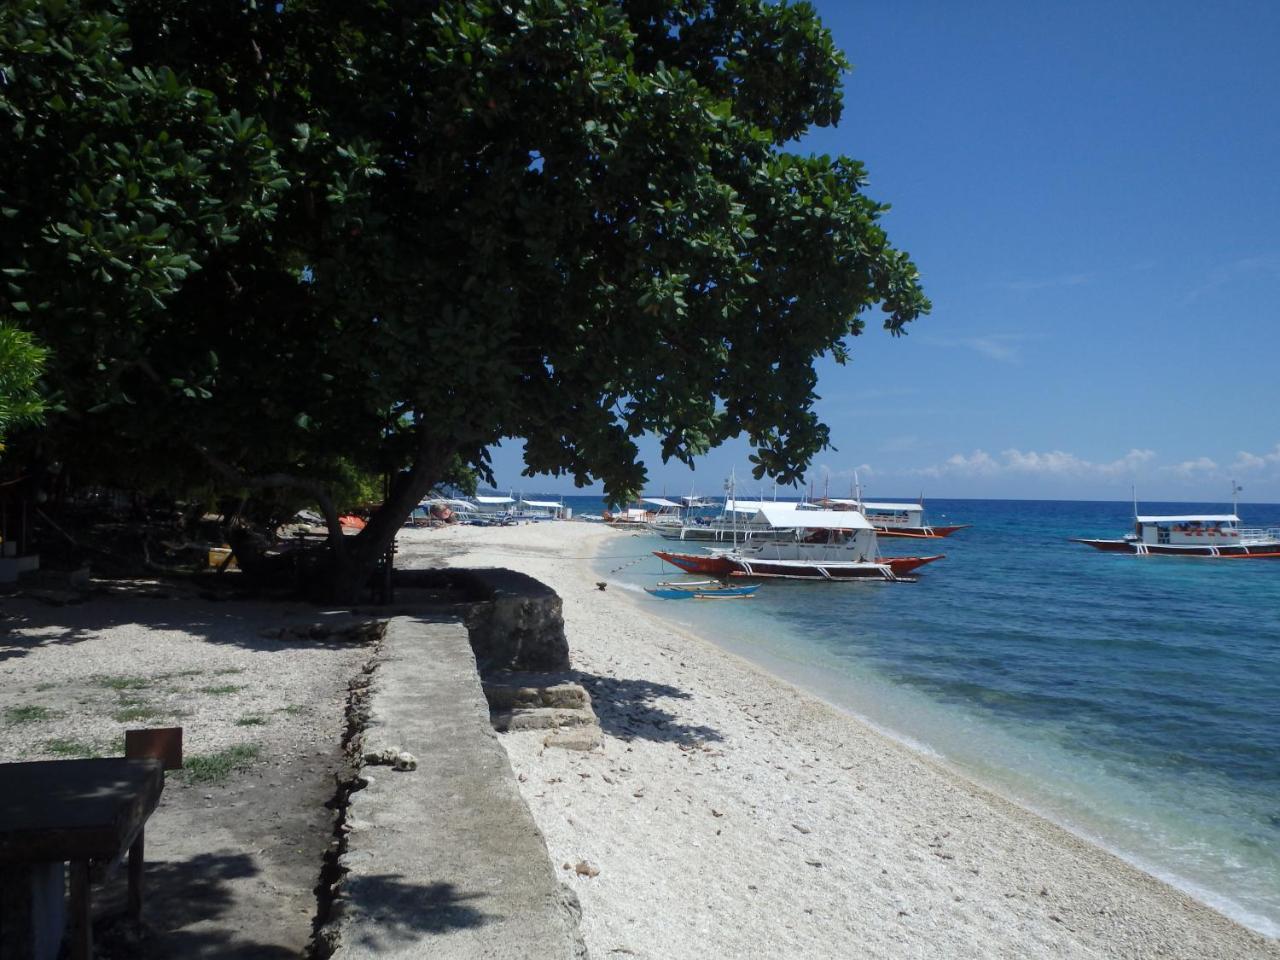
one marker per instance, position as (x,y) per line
(713,593)
(1232,552)
(887,568)
(706,564)
(920,533)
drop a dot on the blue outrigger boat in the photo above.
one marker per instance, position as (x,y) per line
(701,590)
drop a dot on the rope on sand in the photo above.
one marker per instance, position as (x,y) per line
(625,565)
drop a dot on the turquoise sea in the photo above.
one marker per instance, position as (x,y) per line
(1133,700)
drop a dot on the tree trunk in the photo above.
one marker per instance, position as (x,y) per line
(347,567)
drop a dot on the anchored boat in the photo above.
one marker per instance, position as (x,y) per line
(701,590)
(897,519)
(1193,535)
(1216,535)
(825,545)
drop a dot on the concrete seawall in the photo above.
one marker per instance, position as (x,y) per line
(442,861)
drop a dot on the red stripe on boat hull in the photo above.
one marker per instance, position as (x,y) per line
(921,533)
(1164,550)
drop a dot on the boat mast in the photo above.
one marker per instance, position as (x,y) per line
(1235,491)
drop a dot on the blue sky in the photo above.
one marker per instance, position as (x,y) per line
(1092,194)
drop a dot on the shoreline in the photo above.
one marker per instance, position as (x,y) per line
(737,809)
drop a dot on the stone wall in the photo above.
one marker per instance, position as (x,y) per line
(515,622)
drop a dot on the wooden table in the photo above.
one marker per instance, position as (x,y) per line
(88,813)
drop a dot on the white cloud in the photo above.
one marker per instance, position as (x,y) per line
(1195,468)
(1002,347)
(1053,463)
(1247,462)
(900,444)
(1264,264)
(1045,283)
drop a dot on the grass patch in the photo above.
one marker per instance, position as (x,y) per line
(28,714)
(251,721)
(123,683)
(212,767)
(72,749)
(227,670)
(294,709)
(222,690)
(183,673)
(137,712)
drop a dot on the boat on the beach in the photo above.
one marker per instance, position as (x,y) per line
(832,545)
(1193,535)
(897,519)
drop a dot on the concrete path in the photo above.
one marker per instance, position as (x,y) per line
(444,861)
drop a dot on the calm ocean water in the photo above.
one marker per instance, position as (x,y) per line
(1133,700)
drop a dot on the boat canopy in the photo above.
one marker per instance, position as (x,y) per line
(904,507)
(493,501)
(750,506)
(660,502)
(1194,518)
(784,515)
(550,504)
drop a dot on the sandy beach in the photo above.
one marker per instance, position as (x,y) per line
(730,814)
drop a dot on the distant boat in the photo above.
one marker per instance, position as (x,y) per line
(832,545)
(897,519)
(1193,535)
(738,522)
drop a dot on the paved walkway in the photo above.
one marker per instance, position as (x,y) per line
(444,861)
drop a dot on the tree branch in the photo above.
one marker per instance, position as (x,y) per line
(314,488)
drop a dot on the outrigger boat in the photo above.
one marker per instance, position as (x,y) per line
(1193,535)
(898,519)
(738,522)
(701,590)
(826,545)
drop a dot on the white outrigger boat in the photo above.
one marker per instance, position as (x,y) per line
(1193,535)
(896,519)
(739,521)
(1216,535)
(832,545)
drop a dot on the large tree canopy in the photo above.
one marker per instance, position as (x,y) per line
(286,239)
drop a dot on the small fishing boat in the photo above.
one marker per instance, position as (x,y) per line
(687,592)
(832,545)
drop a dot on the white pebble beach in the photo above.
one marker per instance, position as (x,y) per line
(731,814)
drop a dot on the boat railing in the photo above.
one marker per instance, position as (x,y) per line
(1260,533)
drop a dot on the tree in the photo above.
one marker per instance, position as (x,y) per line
(441,225)
(21,363)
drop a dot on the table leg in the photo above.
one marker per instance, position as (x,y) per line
(135,878)
(81,912)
